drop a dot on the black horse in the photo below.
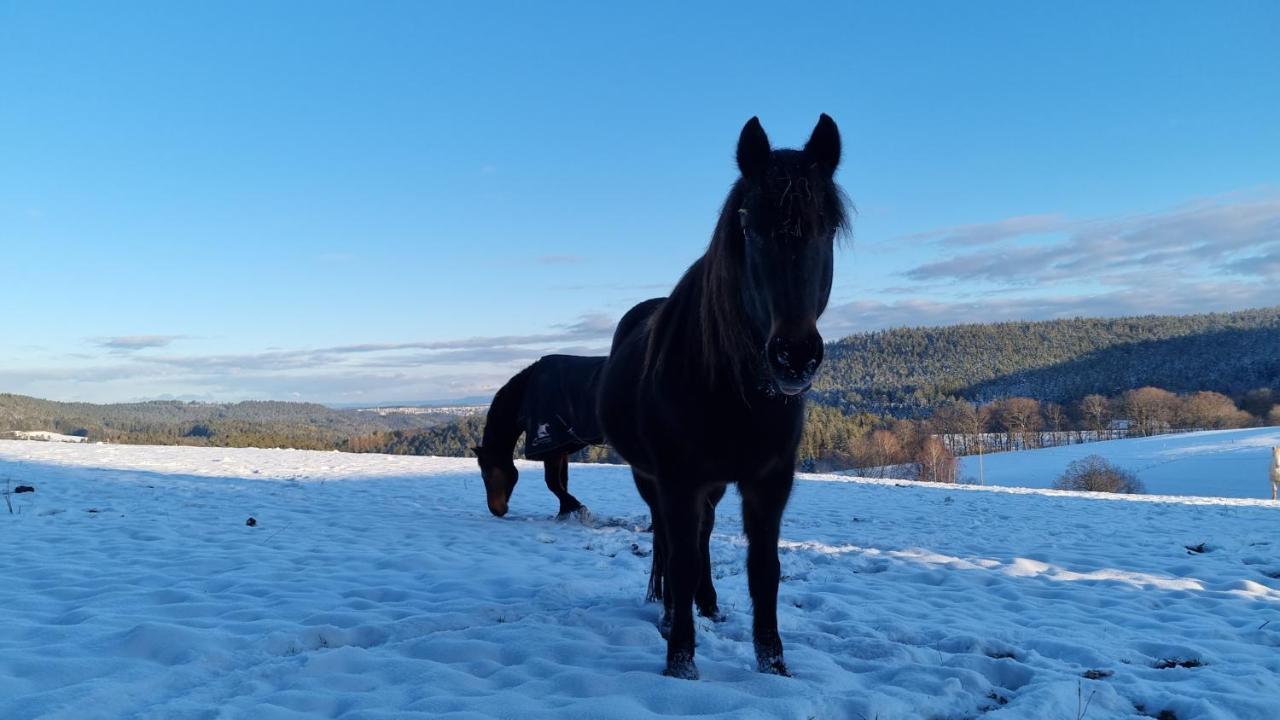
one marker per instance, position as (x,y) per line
(553,403)
(705,387)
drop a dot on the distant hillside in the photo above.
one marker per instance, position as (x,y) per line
(905,371)
(254,423)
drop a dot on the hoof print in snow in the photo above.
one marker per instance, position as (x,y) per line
(997,698)
(639,551)
(23,489)
(1197,549)
(1096,674)
(1168,663)
(251,522)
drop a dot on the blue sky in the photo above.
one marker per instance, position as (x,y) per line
(369,202)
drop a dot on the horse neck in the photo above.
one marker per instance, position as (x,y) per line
(698,337)
(502,424)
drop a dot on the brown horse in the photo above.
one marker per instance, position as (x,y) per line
(553,404)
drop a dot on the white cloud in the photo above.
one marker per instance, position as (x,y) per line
(130,343)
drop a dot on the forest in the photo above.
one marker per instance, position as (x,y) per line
(906,372)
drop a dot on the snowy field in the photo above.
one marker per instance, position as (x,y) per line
(379,587)
(1217,463)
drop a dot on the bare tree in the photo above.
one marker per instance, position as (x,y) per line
(1095,412)
(935,462)
(877,450)
(1150,409)
(959,419)
(1054,416)
(1211,410)
(909,435)
(1017,417)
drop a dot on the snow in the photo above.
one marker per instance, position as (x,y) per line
(379,586)
(46,435)
(1216,463)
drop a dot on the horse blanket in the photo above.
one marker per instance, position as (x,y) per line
(559,409)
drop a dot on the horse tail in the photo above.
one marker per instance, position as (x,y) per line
(655,583)
(657,570)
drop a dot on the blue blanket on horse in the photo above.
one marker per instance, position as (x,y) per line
(559,409)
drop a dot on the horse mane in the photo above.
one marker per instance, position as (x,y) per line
(502,423)
(706,304)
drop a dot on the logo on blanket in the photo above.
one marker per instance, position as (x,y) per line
(544,433)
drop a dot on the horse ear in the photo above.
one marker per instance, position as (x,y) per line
(824,145)
(753,149)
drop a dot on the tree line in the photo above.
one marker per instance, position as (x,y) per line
(305,426)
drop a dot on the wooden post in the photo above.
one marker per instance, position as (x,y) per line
(1275,472)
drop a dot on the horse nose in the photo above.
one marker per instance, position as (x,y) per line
(795,360)
(497,502)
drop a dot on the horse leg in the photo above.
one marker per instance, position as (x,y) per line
(705,596)
(568,503)
(681,518)
(762,507)
(659,566)
(553,469)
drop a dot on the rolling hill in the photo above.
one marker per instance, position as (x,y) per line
(904,371)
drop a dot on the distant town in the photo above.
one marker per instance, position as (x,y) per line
(444,410)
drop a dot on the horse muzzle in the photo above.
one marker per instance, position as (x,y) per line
(498,507)
(794,362)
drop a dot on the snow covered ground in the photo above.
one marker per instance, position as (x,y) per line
(379,587)
(1217,463)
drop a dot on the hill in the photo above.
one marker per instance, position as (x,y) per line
(906,371)
(1217,463)
(252,423)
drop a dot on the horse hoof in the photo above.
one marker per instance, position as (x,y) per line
(580,513)
(681,669)
(713,614)
(773,666)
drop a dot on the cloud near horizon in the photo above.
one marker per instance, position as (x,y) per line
(1222,235)
(1212,254)
(372,372)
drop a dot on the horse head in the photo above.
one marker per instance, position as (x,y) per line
(500,477)
(788,213)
